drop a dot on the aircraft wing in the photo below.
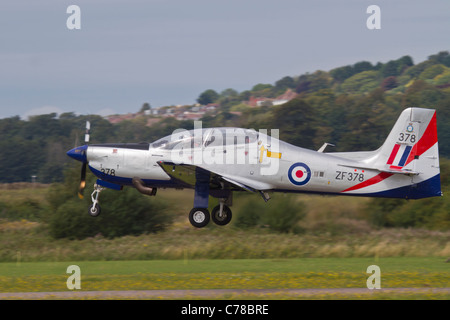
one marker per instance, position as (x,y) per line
(247,184)
(186,175)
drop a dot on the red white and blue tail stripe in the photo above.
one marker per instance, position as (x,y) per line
(408,161)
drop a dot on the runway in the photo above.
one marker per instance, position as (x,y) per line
(215,293)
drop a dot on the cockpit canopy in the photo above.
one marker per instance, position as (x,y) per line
(206,137)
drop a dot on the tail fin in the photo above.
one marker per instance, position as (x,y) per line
(412,149)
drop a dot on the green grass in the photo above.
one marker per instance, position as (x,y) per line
(397,264)
(229,274)
(334,253)
(330,232)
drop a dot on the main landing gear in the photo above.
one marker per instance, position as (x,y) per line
(199,215)
(220,215)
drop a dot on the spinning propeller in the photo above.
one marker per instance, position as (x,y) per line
(83,167)
(82,181)
(79,154)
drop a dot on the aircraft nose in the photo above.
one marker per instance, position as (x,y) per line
(78,153)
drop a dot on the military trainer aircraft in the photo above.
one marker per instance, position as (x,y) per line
(217,161)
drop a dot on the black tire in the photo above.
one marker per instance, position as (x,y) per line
(94,211)
(224,219)
(199,217)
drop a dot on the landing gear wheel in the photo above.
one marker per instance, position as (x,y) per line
(94,210)
(199,217)
(219,218)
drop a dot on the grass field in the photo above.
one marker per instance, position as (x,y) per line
(334,252)
(332,230)
(231,274)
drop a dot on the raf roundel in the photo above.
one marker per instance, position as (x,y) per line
(299,174)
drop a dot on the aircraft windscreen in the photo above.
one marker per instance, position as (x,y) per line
(167,144)
(207,137)
(235,136)
(159,143)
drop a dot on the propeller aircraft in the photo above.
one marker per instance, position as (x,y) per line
(218,161)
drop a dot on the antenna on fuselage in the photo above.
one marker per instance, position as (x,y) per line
(326,144)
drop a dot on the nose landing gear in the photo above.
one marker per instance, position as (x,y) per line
(94,209)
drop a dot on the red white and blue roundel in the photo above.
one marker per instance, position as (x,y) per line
(299,174)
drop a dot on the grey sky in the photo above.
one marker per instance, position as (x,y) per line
(167,52)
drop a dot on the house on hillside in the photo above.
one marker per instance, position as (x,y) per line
(258,101)
(285,97)
(120,117)
(187,115)
(210,107)
(288,95)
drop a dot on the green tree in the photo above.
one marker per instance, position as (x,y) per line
(362,66)
(320,80)
(146,106)
(208,96)
(396,67)
(443,78)
(416,70)
(303,86)
(443,127)
(261,86)
(432,71)
(342,73)
(389,83)
(229,93)
(296,121)
(285,83)
(422,95)
(281,214)
(442,57)
(368,122)
(361,82)
(228,98)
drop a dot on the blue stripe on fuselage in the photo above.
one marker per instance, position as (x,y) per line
(425,189)
(128,181)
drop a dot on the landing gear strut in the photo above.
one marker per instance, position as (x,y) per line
(221,214)
(199,215)
(94,209)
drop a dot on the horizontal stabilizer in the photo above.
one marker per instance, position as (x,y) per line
(389,170)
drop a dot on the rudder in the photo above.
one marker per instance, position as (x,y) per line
(412,148)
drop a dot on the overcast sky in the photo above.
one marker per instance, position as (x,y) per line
(166,52)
